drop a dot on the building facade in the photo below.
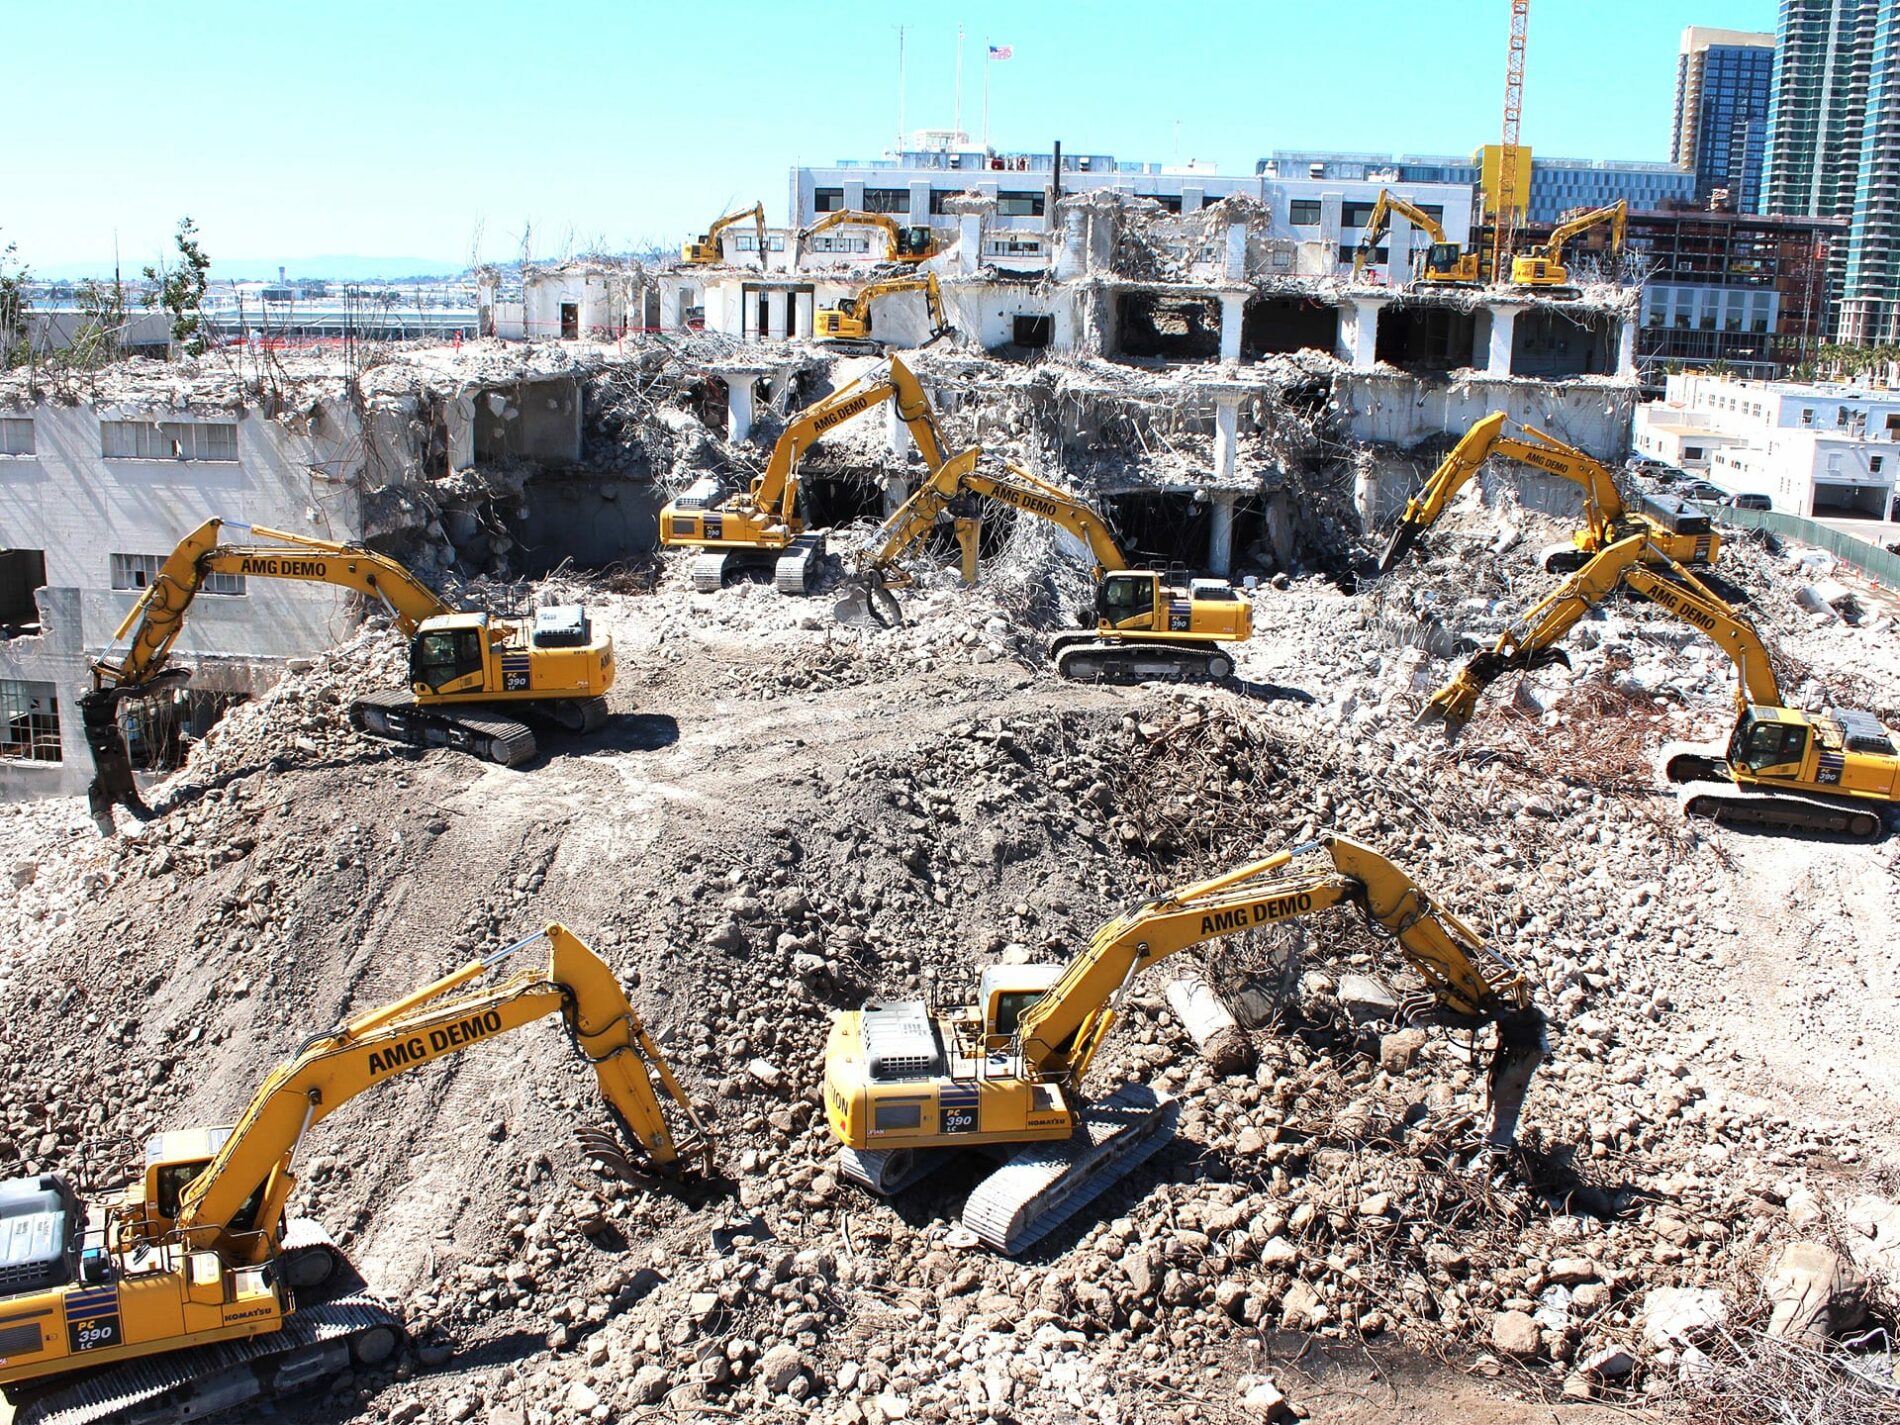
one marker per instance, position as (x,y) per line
(1870,295)
(1816,449)
(1748,292)
(1723,82)
(1558,185)
(920,186)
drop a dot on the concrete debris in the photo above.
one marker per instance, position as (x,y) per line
(1812,1292)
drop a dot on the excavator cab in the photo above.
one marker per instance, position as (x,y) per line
(1126,596)
(915,243)
(441,658)
(1766,745)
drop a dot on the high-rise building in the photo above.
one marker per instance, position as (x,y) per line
(1823,66)
(1722,86)
(1834,148)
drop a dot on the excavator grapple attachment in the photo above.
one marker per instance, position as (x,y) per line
(1522,1045)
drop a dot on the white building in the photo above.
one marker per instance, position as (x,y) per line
(917,188)
(1812,449)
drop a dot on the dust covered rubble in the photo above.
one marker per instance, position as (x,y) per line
(1333,1189)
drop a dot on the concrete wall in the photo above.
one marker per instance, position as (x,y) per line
(531,420)
(81,508)
(593,520)
(1404,411)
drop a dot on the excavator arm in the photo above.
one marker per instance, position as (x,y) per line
(960,475)
(1603,501)
(237,1203)
(1061,1031)
(1381,216)
(776,488)
(1615,214)
(1530,642)
(706,250)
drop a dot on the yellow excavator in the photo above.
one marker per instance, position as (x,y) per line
(1446,264)
(705,250)
(903,242)
(847,327)
(760,528)
(1835,773)
(1675,528)
(1145,629)
(906,1086)
(189,1290)
(1546,271)
(469,673)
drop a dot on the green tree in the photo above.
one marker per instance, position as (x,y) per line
(181,290)
(13,306)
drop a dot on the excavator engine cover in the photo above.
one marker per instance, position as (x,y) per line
(37,1220)
(900,1042)
(561,626)
(1676,515)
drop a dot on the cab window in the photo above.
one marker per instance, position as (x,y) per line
(1125,598)
(1010,1005)
(1771,744)
(173,1179)
(441,658)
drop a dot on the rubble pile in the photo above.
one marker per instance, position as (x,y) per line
(840,810)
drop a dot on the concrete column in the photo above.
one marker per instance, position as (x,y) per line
(1235,266)
(802,314)
(1365,496)
(969,242)
(895,493)
(1398,251)
(738,408)
(896,433)
(1503,333)
(1220,533)
(671,307)
(1626,350)
(1226,435)
(1359,332)
(775,315)
(1072,255)
(1279,521)
(1233,313)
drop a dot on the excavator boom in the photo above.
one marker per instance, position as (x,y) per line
(254,1163)
(1548,270)
(707,250)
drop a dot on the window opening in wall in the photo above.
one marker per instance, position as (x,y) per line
(570,320)
(22,572)
(1874,463)
(140,571)
(1034,329)
(1303,212)
(29,721)
(887,200)
(827,200)
(1019,205)
(16,435)
(168,440)
(825,242)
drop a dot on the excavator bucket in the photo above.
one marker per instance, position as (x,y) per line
(112,781)
(869,599)
(1403,538)
(1522,1045)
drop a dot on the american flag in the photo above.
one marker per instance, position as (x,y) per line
(1002,51)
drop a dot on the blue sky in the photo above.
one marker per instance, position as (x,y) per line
(425,129)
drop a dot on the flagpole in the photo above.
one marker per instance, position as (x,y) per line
(900,88)
(957,125)
(986,93)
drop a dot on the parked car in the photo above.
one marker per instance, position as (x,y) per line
(1749,501)
(1645,464)
(1702,492)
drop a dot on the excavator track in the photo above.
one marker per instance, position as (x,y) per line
(1045,1184)
(799,565)
(709,573)
(316,1342)
(308,1258)
(887,1172)
(480,731)
(1702,791)
(579,715)
(1102,661)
